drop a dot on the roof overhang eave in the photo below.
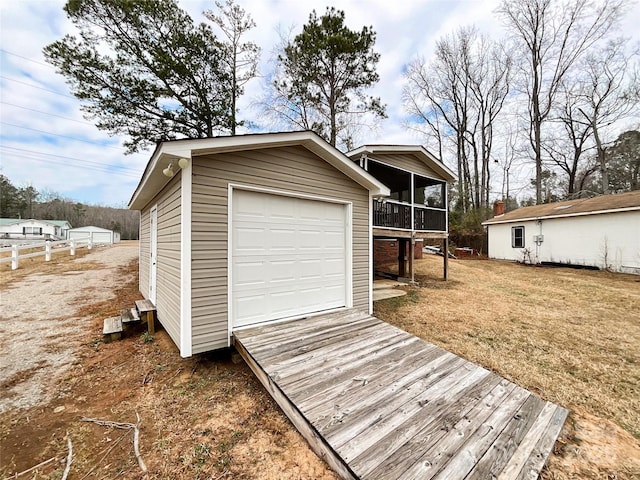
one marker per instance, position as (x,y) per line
(153,180)
(565,215)
(422,153)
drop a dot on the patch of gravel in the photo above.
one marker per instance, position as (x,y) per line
(37,324)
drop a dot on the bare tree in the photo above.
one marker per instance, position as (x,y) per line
(458,97)
(553,36)
(240,57)
(566,147)
(507,161)
(608,94)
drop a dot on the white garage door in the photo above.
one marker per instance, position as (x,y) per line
(98,237)
(288,257)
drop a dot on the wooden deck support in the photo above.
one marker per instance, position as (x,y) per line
(412,260)
(445,250)
(378,403)
(402,258)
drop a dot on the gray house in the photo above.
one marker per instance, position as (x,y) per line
(242,230)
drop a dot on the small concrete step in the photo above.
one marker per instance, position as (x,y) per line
(112,328)
(385,293)
(385,284)
(129,316)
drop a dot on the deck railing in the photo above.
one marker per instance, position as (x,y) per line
(391,214)
(426,218)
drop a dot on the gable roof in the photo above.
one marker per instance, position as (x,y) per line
(90,228)
(60,223)
(620,202)
(153,180)
(12,221)
(418,151)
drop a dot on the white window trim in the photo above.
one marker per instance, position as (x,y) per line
(513,236)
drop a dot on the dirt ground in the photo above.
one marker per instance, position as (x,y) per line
(208,417)
(203,417)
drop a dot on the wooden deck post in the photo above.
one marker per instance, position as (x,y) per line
(402,257)
(412,251)
(445,248)
(151,326)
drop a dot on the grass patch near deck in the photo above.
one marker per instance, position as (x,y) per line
(571,336)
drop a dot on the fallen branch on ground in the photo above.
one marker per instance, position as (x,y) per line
(67,469)
(124,425)
(41,464)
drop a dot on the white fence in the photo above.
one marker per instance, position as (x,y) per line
(47,247)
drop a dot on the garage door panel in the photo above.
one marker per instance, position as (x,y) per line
(248,273)
(288,256)
(334,268)
(249,308)
(281,271)
(245,239)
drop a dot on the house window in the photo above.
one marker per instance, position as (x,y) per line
(517,237)
(32,230)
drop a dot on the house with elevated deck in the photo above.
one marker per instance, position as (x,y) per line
(416,210)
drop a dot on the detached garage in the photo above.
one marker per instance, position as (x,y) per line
(97,234)
(244,230)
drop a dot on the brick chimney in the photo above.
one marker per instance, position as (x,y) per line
(498,208)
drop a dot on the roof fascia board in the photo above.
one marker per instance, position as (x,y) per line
(307,139)
(423,154)
(166,151)
(565,215)
(191,148)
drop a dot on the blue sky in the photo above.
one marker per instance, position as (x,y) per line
(46,142)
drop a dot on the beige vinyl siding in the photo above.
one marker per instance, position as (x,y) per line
(407,162)
(291,169)
(168,273)
(168,281)
(144,252)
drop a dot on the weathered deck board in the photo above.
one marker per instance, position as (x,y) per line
(378,403)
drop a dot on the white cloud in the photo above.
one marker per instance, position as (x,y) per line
(93,171)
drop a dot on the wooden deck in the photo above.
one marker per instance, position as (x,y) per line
(378,403)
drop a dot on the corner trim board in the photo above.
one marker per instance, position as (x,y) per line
(186,333)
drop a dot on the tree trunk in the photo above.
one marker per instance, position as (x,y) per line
(537,147)
(234,89)
(601,159)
